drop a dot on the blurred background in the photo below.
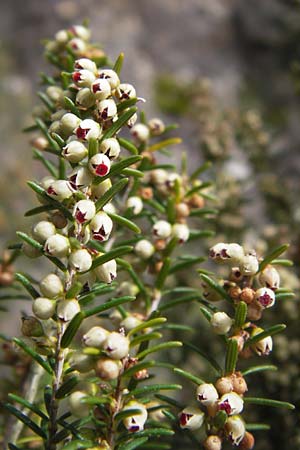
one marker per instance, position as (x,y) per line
(228,72)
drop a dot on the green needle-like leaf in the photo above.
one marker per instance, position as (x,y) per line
(124,222)
(41,361)
(150,389)
(67,387)
(119,63)
(231,356)
(27,285)
(163,273)
(159,347)
(268,402)
(22,401)
(72,329)
(128,146)
(267,332)
(148,324)
(135,443)
(256,369)
(117,252)
(189,376)
(273,255)
(113,303)
(216,287)
(240,314)
(119,123)
(26,420)
(110,193)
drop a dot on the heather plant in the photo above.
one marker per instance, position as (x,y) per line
(114,232)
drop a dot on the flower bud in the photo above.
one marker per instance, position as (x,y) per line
(135,422)
(231,403)
(130,322)
(247,442)
(221,323)
(43,307)
(207,394)
(69,122)
(55,93)
(77,407)
(88,129)
(135,203)
(80,260)
(235,429)
(249,265)
(85,63)
(107,272)
(41,231)
(264,346)
(144,249)
(116,345)
(270,278)
(162,229)
(85,98)
(67,309)
(107,109)
(108,369)
(125,91)
(109,208)
(247,295)
(75,151)
(140,132)
(265,297)
(181,232)
(191,418)
(84,211)
(60,190)
(95,337)
(209,293)
(57,245)
(62,36)
(110,147)
(132,120)
(99,165)
(31,327)
(159,176)
(111,76)
(77,45)
(101,88)
(101,226)
(99,189)
(232,253)
(83,78)
(156,126)
(56,127)
(51,286)
(80,178)
(31,252)
(81,31)
(81,362)
(224,385)
(212,442)
(239,383)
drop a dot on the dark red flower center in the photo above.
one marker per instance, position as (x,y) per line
(82,132)
(184,418)
(265,300)
(101,169)
(51,191)
(225,406)
(76,77)
(80,216)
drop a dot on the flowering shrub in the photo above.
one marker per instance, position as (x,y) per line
(113,233)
